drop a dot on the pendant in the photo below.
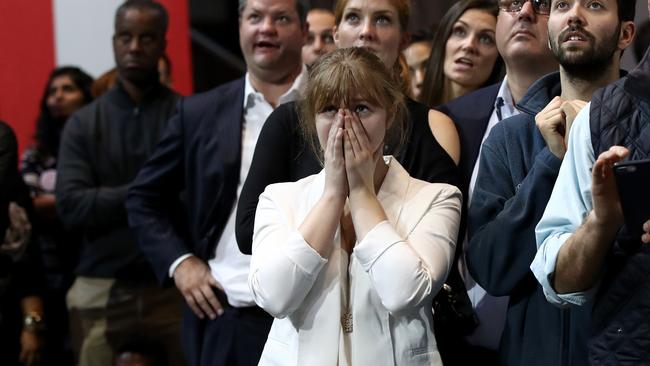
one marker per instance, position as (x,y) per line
(346,322)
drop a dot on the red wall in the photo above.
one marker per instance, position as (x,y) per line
(28,55)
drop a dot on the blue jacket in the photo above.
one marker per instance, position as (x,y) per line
(513,186)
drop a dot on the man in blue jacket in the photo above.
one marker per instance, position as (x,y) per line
(519,164)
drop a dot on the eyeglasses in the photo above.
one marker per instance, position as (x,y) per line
(541,7)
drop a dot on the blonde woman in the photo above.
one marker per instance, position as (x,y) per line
(348,260)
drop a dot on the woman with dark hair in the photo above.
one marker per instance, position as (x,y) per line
(67,89)
(464,57)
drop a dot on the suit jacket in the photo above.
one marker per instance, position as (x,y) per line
(197,160)
(471,114)
(394,273)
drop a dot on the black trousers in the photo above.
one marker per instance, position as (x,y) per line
(235,338)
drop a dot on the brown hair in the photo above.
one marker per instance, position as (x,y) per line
(433,87)
(338,77)
(400,68)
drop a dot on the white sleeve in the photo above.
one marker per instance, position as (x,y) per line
(567,208)
(283,265)
(408,270)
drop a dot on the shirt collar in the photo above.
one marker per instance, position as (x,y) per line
(508,107)
(294,92)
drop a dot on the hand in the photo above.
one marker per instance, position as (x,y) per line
(571,109)
(551,122)
(646,235)
(30,348)
(336,181)
(607,207)
(18,233)
(360,161)
(194,280)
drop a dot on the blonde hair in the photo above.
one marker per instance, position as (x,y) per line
(342,75)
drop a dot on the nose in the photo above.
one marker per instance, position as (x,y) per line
(419,76)
(576,15)
(134,44)
(470,44)
(318,44)
(527,12)
(367,30)
(268,25)
(58,93)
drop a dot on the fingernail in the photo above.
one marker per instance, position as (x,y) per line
(220,312)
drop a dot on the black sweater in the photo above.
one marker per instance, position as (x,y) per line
(102,149)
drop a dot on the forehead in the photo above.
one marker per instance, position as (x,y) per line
(138,19)
(270,6)
(477,18)
(320,20)
(371,6)
(417,51)
(61,80)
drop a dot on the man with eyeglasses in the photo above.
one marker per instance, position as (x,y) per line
(520,161)
(522,41)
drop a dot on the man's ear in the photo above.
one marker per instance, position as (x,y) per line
(626,36)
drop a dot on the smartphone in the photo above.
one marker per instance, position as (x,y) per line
(633,184)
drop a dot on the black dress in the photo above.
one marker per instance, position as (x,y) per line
(282,155)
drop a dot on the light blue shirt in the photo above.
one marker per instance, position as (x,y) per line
(567,209)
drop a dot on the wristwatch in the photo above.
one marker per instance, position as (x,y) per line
(33,322)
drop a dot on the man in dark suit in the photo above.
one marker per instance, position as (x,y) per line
(205,153)
(522,41)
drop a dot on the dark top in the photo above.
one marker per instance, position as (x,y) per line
(183,196)
(620,115)
(281,155)
(20,270)
(513,186)
(102,148)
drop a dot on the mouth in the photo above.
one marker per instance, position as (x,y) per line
(575,36)
(524,33)
(464,61)
(266,45)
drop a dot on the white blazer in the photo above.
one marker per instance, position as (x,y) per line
(394,272)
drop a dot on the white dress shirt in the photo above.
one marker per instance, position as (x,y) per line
(228,265)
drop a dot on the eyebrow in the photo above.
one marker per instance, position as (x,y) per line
(489,30)
(374,12)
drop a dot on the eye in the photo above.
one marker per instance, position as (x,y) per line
(330,109)
(486,39)
(69,88)
(561,5)
(361,108)
(147,39)
(310,38)
(595,5)
(383,20)
(542,5)
(283,19)
(458,31)
(328,39)
(124,38)
(352,18)
(254,17)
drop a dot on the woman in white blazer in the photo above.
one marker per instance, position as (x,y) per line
(348,260)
